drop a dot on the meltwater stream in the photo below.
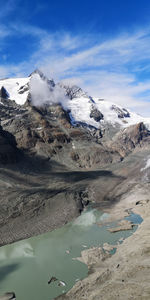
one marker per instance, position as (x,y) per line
(27,266)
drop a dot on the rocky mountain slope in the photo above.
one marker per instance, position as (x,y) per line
(59,150)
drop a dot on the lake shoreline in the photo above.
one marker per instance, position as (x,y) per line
(125,274)
(49,254)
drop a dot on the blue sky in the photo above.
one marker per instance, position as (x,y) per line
(103,46)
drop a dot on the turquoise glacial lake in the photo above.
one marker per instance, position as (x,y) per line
(27,266)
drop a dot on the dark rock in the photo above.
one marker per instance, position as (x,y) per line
(122,113)
(3,93)
(137,203)
(23,89)
(52,279)
(73,91)
(96,114)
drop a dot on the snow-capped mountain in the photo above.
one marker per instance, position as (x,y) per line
(60,149)
(82,108)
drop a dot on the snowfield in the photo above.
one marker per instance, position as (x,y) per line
(81,108)
(12,85)
(110,115)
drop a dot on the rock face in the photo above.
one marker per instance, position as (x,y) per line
(96,115)
(73,91)
(129,138)
(33,128)
(122,113)
(3,93)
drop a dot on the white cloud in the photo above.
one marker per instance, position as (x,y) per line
(70,42)
(41,93)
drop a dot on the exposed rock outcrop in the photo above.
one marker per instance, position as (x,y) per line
(73,91)
(122,113)
(129,138)
(3,93)
(96,114)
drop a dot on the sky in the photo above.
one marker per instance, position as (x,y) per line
(101,45)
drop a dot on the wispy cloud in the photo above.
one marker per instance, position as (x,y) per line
(4,32)
(7,7)
(116,69)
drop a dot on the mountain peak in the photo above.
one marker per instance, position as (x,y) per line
(43,77)
(37,71)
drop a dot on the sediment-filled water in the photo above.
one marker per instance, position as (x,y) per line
(27,266)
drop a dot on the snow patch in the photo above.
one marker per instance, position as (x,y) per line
(147,165)
(80,109)
(39,128)
(73,146)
